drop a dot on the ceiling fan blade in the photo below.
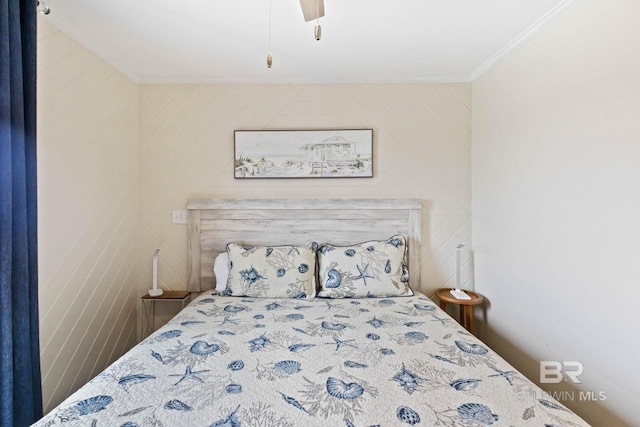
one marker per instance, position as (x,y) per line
(312,9)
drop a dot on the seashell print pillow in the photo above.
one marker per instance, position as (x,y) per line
(272,271)
(371,269)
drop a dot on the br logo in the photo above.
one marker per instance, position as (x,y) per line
(553,371)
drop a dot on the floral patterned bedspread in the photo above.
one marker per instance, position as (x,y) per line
(230,361)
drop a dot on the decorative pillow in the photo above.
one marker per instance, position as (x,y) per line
(221,271)
(272,271)
(370,269)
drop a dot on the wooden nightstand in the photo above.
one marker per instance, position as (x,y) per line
(466,306)
(148,304)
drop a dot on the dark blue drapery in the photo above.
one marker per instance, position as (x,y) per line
(20,389)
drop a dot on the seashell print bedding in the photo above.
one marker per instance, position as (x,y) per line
(229,361)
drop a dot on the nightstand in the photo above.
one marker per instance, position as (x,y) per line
(148,305)
(466,306)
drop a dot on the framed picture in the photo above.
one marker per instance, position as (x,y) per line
(303,153)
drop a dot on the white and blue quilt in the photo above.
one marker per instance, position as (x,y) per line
(237,361)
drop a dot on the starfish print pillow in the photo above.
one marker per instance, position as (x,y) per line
(371,269)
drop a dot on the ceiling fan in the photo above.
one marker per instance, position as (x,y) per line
(312,9)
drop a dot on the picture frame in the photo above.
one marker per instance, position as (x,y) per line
(326,153)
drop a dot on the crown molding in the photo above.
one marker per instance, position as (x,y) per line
(523,37)
(69,30)
(327,79)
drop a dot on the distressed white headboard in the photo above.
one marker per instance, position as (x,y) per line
(212,223)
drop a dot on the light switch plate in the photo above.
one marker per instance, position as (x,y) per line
(179,217)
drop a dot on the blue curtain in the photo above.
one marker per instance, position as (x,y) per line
(20,389)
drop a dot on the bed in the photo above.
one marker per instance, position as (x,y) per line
(305,337)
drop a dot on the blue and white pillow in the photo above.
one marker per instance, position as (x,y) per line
(371,269)
(272,271)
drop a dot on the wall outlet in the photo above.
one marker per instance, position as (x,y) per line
(179,217)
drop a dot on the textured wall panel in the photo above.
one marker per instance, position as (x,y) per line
(116,158)
(87,208)
(422,142)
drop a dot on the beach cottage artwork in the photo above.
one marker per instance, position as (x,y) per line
(303,153)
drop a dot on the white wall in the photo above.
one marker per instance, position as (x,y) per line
(556,202)
(87,209)
(422,135)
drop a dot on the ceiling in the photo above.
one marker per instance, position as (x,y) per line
(226,41)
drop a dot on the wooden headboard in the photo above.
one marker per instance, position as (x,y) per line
(212,223)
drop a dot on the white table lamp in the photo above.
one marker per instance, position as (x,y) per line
(155,292)
(457,292)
